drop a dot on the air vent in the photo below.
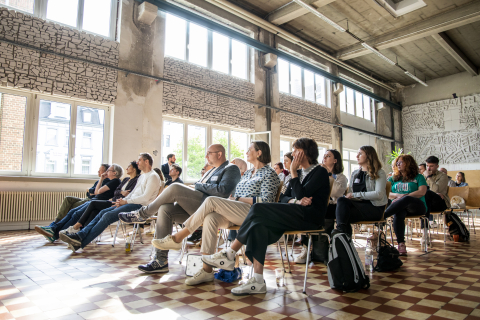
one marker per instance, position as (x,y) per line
(400,7)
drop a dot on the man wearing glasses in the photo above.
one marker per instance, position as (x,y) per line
(178,202)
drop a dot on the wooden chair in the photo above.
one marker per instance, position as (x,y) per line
(473,203)
(380,222)
(309,234)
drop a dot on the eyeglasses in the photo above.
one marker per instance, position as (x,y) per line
(399,163)
(110,170)
(209,152)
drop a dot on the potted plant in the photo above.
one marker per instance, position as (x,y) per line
(394,154)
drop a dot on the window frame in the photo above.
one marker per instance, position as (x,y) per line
(326,85)
(345,97)
(209,137)
(32,109)
(209,66)
(40,11)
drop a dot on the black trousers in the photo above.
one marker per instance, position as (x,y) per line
(266,223)
(93,209)
(329,222)
(350,211)
(435,203)
(404,207)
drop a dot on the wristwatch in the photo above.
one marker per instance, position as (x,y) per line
(237,199)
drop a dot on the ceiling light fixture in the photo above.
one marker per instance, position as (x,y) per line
(378,53)
(318,14)
(416,79)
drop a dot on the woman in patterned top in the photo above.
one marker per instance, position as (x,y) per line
(408,194)
(258,185)
(302,207)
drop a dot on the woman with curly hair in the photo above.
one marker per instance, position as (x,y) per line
(408,194)
(367,198)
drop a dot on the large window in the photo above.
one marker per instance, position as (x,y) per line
(189,141)
(356,103)
(302,83)
(95,16)
(196,44)
(350,162)
(46,136)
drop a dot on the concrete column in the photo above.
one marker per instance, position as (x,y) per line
(337,142)
(275,115)
(384,127)
(139,100)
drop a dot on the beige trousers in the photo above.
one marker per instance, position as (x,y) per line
(216,213)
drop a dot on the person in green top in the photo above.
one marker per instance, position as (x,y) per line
(408,195)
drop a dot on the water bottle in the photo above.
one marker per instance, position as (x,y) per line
(368,257)
(128,244)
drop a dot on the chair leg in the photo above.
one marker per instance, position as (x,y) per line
(184,250)
(134,234)
(286,253)
(244,255)
(293,243)
(281,256)
(306,263)
(219,233)
(116,232)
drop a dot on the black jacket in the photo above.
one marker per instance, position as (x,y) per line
(166,171)
(222,183)
(316,185)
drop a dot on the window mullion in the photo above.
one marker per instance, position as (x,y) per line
(289,79)
(81,5)
(40,9)
(230,56)
(210,50)
(113,19)
(302,81)
(72,139)
(187,49)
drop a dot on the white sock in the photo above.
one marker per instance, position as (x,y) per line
(231,254)
(258,277)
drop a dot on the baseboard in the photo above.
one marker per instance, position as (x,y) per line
(22,225)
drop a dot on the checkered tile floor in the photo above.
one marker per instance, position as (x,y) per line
(47,281)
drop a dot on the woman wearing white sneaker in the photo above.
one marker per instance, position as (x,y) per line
(302,207)
(258,185)
(332,161)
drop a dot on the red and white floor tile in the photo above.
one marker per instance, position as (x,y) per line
(39,280)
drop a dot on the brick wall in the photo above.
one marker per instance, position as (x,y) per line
(199,105)
(296,126)
(24,68)
(448,129)
(12,125)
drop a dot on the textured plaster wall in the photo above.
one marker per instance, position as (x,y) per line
(195,104)
(448,129)
(296,126)
(47,73)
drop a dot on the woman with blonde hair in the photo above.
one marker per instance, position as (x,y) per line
(408,194)
(367,198)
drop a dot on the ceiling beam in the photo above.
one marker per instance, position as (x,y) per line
(455,18)
(292,11)
(444,40)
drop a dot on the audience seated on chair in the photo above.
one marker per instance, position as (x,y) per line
(460,180)
(241,164)
(72,202)
(302,207)
(421,168)
(332,161)
(451,183)
(179,202)
(259,185)
(367,196)
(408,194)
(174,174)
(144,193)
(287,162)
(121,192)
(437,196)
(102,191)
(166,167)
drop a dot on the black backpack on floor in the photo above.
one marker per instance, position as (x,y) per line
(456,226)
(345,269)
(388,256)
(320,245)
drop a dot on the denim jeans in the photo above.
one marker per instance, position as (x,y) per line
(70,219)
(104,218)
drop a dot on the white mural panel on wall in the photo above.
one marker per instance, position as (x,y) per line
(448,129)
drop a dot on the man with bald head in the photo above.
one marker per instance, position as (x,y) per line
(178,202)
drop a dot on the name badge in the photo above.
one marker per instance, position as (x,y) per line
(214,178)
(357,180)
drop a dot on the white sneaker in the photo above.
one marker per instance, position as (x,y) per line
(302,257)
(70,230)
(200,277)
(219,260)
(250,287)
(166,243)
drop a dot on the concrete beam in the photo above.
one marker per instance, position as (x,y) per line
(292,11)
(458,17)
(447,44)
